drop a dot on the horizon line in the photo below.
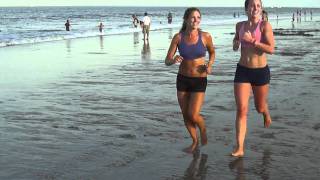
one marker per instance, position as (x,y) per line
(157,6)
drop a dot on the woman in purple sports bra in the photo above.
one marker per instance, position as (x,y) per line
(256,39)
(191,83)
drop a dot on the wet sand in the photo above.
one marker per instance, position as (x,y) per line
(105,108)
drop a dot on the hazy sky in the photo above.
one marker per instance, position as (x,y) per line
(187,3)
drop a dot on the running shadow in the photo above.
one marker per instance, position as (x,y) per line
(197,168)
(238,166)
(262,170)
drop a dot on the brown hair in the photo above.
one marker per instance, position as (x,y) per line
(246,4)
(186,16)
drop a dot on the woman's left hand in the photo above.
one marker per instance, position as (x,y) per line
(209,68)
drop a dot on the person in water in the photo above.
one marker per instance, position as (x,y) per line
(67,25)
(101,26)
(169,18)
(256,39)
(191,81)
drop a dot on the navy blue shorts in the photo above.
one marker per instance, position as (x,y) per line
(191,84)
(254,76)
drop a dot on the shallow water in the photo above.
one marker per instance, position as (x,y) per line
(85,109)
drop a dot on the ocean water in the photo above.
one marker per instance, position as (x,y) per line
(105,107)
(21,25)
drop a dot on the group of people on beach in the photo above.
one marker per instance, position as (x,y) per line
(297,16)
(145,23)
(255,39)
(68,25)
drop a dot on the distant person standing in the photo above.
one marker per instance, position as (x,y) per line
(292,17)
(311,14)
(135,21)
(169,18)
(101,27)
(146,26)
(67,25)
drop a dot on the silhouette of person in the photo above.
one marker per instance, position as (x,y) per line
(101,27)
(169,18)
(67,25)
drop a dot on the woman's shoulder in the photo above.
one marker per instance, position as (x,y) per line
(205,34)
(266,25)
(240,23)
(177,37)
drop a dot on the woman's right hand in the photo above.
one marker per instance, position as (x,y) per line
(236,44)
(177,59)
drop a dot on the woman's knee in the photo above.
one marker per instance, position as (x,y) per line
(242,111)
(194,117)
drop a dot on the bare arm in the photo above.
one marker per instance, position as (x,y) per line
(210,48)
(170,59)
(268,45)
(211,51)
(236,40)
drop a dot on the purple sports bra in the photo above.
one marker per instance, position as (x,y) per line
(191,51)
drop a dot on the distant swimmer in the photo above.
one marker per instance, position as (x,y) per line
(169,18)
(101,27)
(67,24)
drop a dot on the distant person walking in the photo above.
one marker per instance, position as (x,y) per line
(191,83)
(146,26)
(67,25)
(169,18)
(252,73)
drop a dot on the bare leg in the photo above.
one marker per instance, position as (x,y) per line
(260,101)
(195,104)
(242,94)
(183,98)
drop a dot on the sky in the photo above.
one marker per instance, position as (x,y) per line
(183,3)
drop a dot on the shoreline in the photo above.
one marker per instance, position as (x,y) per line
(107,109)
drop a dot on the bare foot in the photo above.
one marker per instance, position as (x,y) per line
(191,149)
(237,153)
(204,139)
(267,120)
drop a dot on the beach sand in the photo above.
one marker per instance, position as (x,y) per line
(106,108)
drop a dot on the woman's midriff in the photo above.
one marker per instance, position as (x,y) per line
(252,58)
(193,68)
